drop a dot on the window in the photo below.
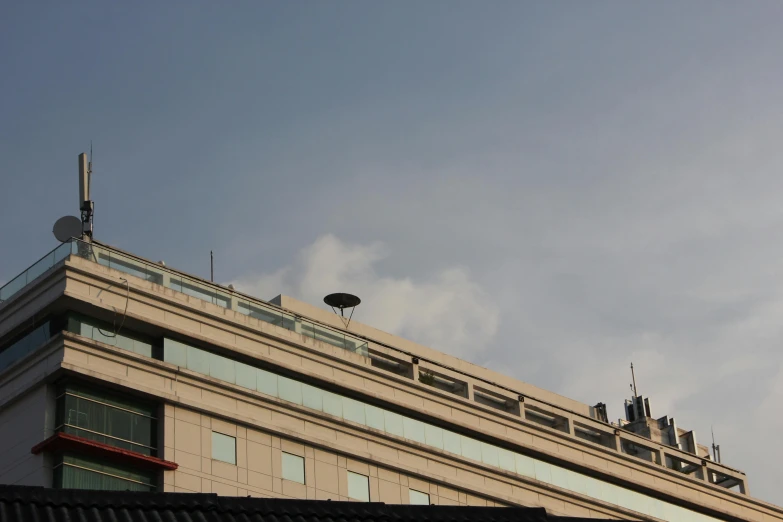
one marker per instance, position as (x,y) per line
(419,498)
(78,472)
(293,468)
(358,486)
(107,418)
(105,332)
(27,343)
(224,447)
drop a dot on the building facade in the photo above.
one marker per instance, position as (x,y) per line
(120,373)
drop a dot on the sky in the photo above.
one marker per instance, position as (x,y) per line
(550,189)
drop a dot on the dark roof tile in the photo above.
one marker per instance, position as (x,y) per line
(53,505)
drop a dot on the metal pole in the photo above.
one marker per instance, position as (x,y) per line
(633,378)
(211,267)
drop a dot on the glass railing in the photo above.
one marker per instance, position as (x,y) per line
(217,295)
(193,287)
(37,269)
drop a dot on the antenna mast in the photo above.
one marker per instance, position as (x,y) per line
(715,447)
(633,378)
(86,205)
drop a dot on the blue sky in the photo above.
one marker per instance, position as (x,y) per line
(550,189)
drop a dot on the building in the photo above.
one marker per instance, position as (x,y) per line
(120,373)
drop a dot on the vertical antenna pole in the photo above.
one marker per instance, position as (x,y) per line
(85,203)
(211,267)
(633,378)
(715,448)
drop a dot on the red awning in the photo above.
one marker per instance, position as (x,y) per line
(67,442)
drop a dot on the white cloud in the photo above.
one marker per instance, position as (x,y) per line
(449,311)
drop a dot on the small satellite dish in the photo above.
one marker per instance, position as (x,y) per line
(342,301)
(67,227)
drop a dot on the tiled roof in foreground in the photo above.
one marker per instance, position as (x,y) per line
(26,503)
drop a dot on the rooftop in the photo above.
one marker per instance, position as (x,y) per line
(50,505)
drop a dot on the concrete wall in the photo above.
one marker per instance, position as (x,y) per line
(188,440)
(23,423)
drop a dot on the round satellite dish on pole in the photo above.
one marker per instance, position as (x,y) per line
(67,227)
(342,301)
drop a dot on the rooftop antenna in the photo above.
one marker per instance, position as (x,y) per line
(70,227)
(342,301)
(211,267)
(86,205)
(715,447)
(633,378)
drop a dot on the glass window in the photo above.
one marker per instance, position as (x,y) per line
(543,471)
(414,430)
(358,486)
(489,454)
(525,465)
(452,443)
(471,449)
(419,498)
(105,332)
(506,460)
(609,493)
(593,487)
(175,353)
(559,477)
(433,436)
(126,343)
(24,345)
(101,417)
(353,411)
(577,482)
(78,472)
(266,382)
(198,360)
(374,417)
(245,375)
(289,390)
(224,447)
(333,404)
(222,368)
(312,397)
(293,468)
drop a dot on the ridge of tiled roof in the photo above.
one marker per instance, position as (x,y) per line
(22,503)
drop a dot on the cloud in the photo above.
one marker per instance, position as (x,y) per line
(449,311)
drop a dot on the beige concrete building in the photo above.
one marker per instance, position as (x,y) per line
(121,373)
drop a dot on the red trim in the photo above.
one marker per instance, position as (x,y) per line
(67,442)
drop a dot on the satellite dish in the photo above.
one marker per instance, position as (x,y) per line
(342,301)
(67,227)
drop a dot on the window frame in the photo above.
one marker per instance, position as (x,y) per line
(234,440)
(411,491)
(76,390)
(366,481)
(299,459)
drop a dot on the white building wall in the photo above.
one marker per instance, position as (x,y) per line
(23,424)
